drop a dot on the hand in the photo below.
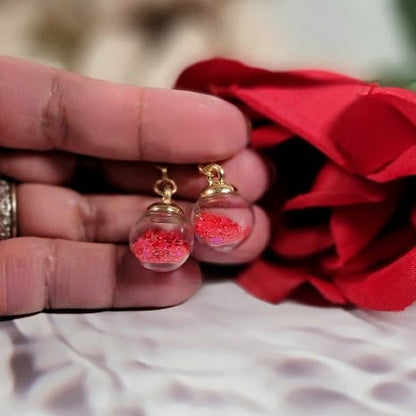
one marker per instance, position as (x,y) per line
(72,249)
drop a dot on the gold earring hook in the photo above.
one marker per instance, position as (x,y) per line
(214,173)
(165,186)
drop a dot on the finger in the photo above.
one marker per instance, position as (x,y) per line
(246,170)
(44,167)
(57,212)
(38,274)
(247,251)
(46,109)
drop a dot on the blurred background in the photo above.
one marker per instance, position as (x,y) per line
(148,42)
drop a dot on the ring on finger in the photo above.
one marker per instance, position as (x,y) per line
(8,209)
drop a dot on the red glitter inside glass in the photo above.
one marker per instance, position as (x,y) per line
(219,230)
(159,246)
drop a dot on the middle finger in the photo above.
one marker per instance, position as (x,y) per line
(246,170)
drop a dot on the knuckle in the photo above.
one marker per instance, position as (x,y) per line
(27,275)
(50,267)
(88,217)
(141,150)
(54,123)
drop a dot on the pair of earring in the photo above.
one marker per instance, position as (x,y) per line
(162,239)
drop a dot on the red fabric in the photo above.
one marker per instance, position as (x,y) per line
(346,155)
(301,242)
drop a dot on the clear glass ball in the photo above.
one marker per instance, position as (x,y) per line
(222,221)
(161,241)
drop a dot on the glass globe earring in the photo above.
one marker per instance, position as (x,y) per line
(221,218)
(162,238)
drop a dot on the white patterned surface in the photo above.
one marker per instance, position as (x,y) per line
(222,353)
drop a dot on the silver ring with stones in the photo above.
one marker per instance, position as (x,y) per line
(8,209)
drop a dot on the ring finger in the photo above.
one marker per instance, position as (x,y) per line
(58,212)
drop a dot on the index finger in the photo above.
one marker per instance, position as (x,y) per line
(43,108)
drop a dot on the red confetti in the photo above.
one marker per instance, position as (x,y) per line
(219,230)
(160,246)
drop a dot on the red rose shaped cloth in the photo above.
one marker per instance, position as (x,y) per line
(343,210)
